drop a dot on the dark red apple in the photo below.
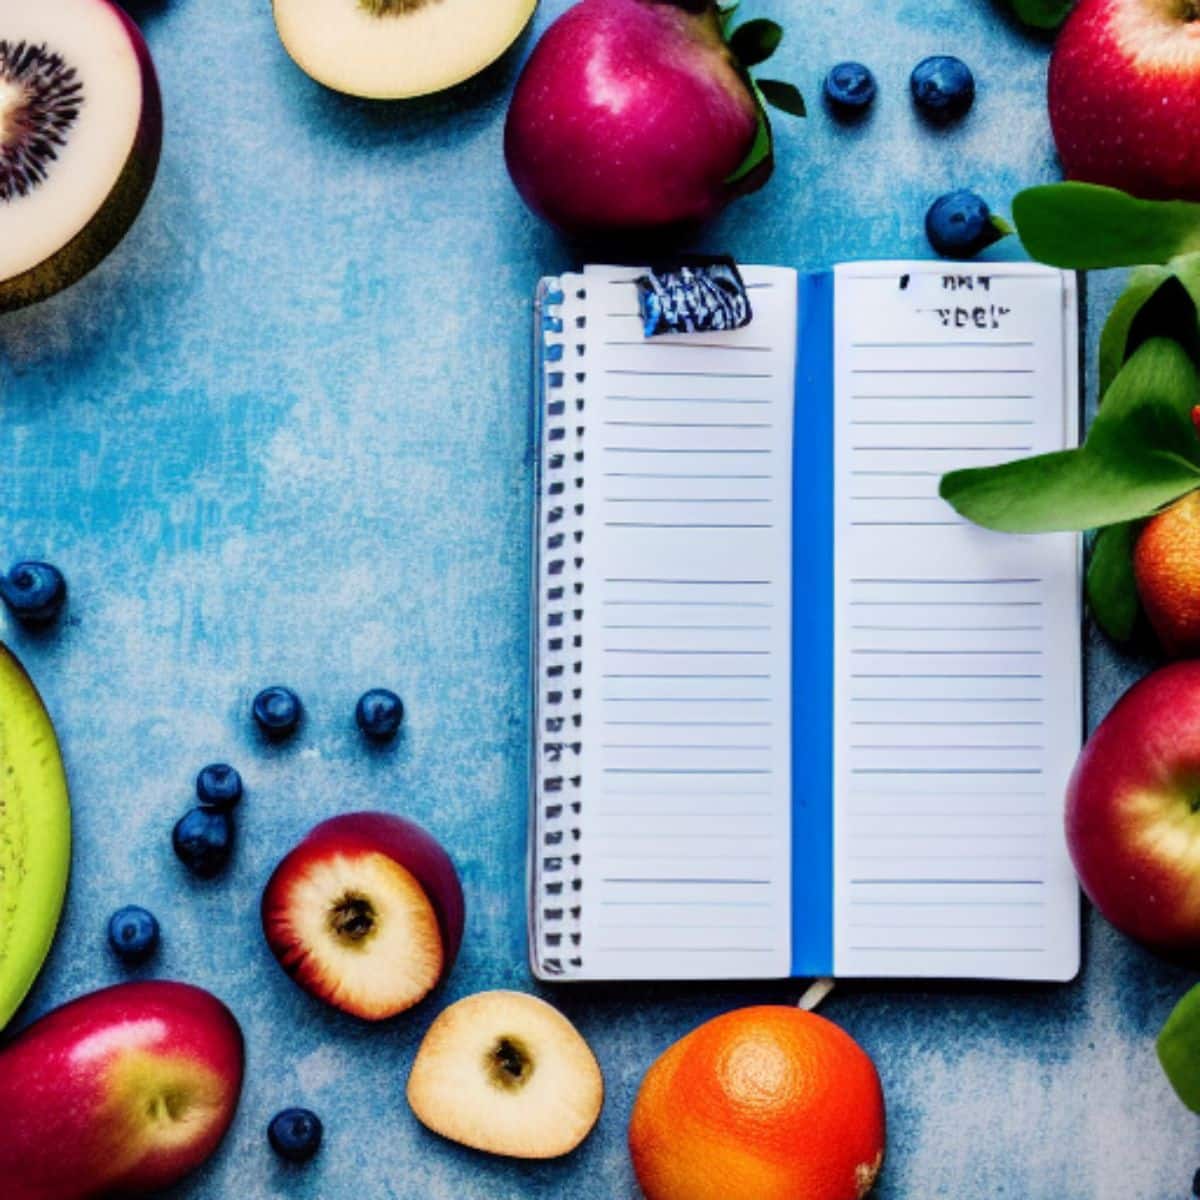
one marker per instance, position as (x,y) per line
(366,913)
(1133,812)
(122,1092)
(1125,95)
(631,115)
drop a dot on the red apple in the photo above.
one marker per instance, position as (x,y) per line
(1133,811)
(122,1092)
(630,115)
(1125,95)
(366,913)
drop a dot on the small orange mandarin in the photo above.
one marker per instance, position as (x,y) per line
(766,1103)
(1166,563)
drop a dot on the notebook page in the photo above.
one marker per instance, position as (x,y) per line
(957,651)
(685,824)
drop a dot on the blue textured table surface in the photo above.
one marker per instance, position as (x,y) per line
(282,435)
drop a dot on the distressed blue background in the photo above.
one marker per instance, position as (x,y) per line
(281,435)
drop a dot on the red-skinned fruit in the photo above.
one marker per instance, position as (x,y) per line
(119,1093)
(1125,96)
(631,116)
(366,913)
(1133,812)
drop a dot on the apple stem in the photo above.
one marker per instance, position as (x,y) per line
(816,992)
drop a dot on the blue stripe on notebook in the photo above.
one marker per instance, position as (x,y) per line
(812,633)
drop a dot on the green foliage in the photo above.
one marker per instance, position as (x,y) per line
(1086,227)
(751,44)
(1141,453)
(1111,585)
(1179,1049)
(756,41)
(1043,14)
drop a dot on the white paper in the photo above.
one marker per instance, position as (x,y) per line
(958,709)
(685,828)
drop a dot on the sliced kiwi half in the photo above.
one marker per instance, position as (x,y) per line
(393,49)
(80,133)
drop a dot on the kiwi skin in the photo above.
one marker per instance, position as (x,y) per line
(100,236)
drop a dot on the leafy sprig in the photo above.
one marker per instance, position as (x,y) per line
(1043,14)
(752,44)
(1143,452)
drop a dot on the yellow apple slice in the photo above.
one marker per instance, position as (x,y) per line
(506,1073)
(394,49)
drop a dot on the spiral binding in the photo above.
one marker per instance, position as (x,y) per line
(557,858)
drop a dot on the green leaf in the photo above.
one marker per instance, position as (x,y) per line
(1115,338)
(1043,14)
(1111,586)
(726,13)
(784,96)
(1086,227)
(1179,1049)
(1142,453)
(760,152)
(756,41)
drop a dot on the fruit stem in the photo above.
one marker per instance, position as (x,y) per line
(817,992)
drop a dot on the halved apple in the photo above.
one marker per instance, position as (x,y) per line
(506,1073)
(80,133)
(394,49)
(366,913)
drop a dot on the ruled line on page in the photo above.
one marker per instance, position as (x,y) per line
(953,700)
(686,604)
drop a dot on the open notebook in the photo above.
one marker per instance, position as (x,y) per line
(793,717)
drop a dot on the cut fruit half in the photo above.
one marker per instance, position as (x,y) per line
(360,932)
(80,133)
(366,913)
(506,1073)
(394,49)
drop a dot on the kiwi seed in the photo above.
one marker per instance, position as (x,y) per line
(40,99)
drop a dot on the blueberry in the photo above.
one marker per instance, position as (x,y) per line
(295,1134)
(133,934)
(277,711)
(203,840)
(379,713)
(35,592)
(850,88)
(219,786)
(959,225)
(943,87)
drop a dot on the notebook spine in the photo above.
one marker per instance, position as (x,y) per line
(556,850)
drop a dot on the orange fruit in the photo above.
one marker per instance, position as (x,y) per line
(1166,564)
(765,1103)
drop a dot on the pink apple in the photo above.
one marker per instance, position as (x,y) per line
(366,913)
(1133,811)
(631,115)
(1125,95)
(121,1092)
